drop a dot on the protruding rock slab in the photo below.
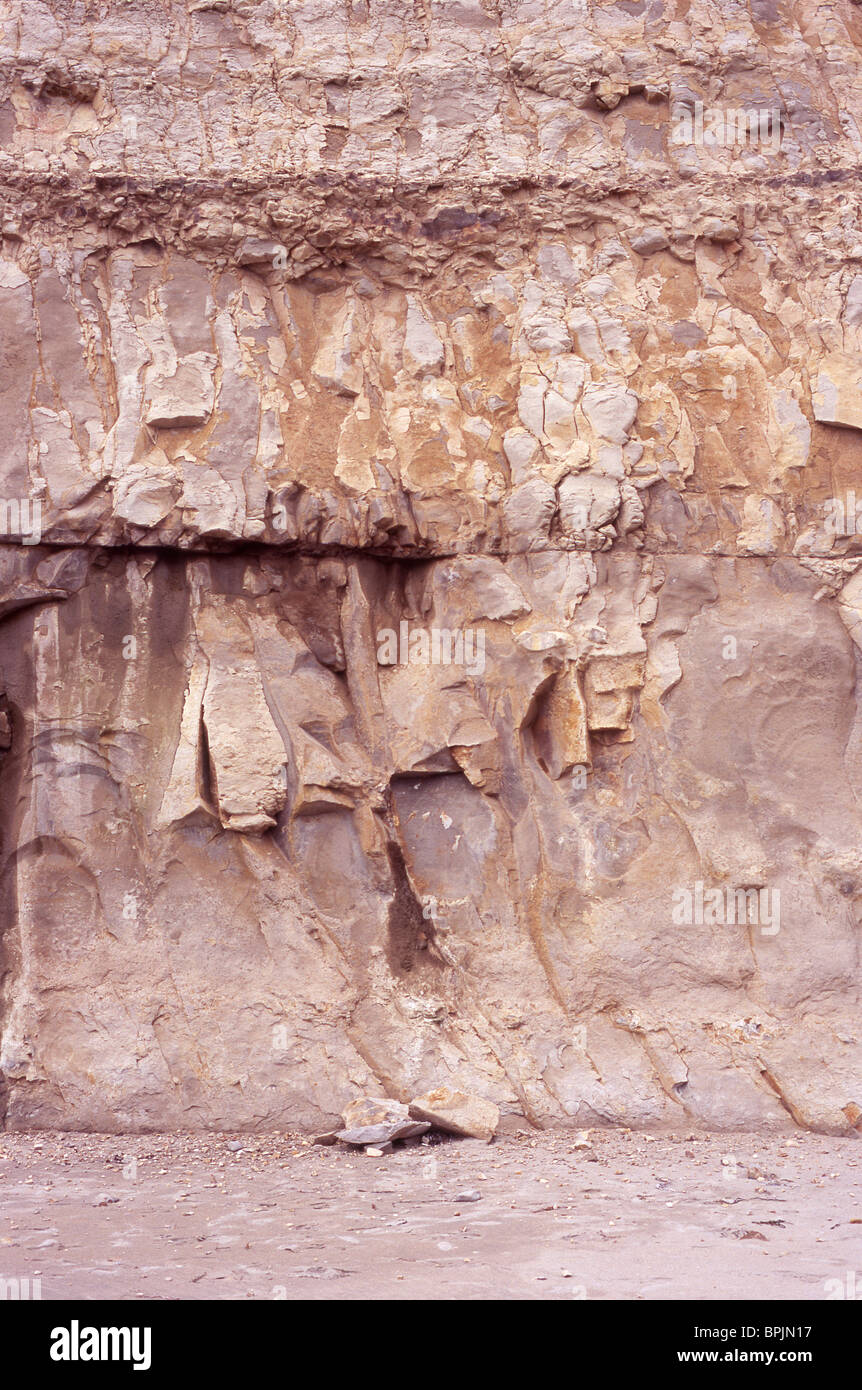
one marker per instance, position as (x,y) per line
(455,1112)
(837,391)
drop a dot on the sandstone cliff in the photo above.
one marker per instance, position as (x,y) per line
(326,329)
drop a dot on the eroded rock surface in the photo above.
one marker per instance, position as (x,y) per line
(431,590)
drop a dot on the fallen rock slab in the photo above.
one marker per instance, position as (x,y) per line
(373,1110)
(456,1112)
(382,1134)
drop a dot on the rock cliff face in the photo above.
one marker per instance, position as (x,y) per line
(431,587)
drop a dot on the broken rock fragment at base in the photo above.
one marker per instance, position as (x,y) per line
(383,1134)
(455,1112)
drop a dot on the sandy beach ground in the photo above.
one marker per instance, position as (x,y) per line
(602,1214)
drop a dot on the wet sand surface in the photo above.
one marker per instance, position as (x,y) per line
(597,1215)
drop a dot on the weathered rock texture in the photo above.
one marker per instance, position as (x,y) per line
(320,319)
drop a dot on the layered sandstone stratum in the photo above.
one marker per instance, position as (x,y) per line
(328,328)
